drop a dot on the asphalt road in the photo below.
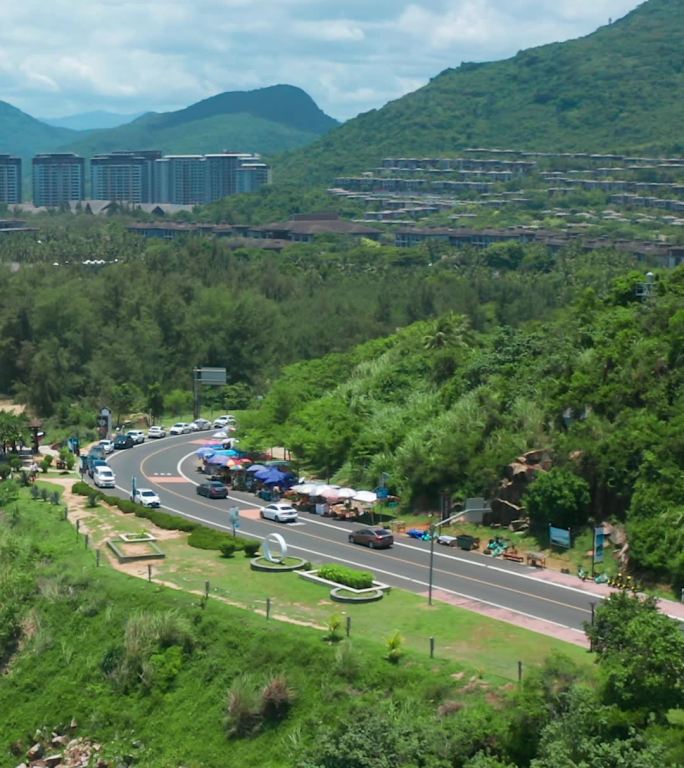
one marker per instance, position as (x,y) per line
(169,466)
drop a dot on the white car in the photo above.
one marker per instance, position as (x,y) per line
(103,477)
(223,421)
(154,433)
(107,446)
(180,428)
(280,512)
(137,435)
(146,497)
(199,425)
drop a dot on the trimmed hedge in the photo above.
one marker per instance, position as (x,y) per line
(349,577)
(209,538)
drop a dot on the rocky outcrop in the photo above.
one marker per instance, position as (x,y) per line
(55,749)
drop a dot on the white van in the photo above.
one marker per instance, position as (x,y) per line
(103,477)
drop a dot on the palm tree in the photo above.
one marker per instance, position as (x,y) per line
(450,330)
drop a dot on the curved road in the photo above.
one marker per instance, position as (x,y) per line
(169,466)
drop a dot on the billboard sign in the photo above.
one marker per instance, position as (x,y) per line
(559,537)
(599,537)
(211,376)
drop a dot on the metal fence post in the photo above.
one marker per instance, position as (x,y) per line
(348,626)
(432,647)
(268,607)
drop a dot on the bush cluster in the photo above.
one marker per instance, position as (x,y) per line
(349,577)
(249,706)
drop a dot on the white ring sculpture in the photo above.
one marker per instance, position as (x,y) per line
(279,542)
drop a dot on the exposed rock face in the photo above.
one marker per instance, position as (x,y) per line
(61,751)
(507,507)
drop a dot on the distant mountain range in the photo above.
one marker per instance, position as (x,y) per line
(621,87)
(267,120)
(89,121)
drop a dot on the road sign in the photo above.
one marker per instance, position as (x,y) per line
(559,537)
(599,536)
(215,376)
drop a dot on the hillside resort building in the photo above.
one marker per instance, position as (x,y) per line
(136,177)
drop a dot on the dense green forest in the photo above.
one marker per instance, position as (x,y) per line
(619,88)
(158,677)
(446,403)
(70,333)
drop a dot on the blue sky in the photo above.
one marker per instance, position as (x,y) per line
(60,57)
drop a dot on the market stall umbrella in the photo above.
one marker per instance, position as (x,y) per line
(205,452)
(272,476)
(221,461)
(256,468)
(345,493)
(305,488)
(367,497)
(322,489)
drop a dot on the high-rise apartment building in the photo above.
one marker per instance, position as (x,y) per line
(10,179)
(181,179)
(58,178)
(124,175)
(252,176)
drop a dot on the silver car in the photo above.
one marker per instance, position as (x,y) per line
(280,512)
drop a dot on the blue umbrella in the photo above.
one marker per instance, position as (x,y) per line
(220,460)
(256,468)
(272,476)
(204,452)
(227,452)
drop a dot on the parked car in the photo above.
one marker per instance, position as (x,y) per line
(180,428)
(374,538)
(94,463)
(147,497)
(212,489)
(107,445)
(123,441)
(153,433)
(223,421)
(137,434)
(447,541)
(103,477)
(200,425)
(280,512)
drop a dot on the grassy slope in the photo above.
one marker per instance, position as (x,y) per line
(80,614)
(619,87)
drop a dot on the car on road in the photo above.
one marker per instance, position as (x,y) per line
(107,445)
(447,541)
(212,489)
(123,441)
(180,428)
(138,436)
(94,463)
(146,497)
(155,432)
(223,421)
(374,538)
(103,477)
(200,425)
(280,512)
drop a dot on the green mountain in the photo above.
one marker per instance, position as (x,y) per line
(266,120)
(23,135)
(621,87)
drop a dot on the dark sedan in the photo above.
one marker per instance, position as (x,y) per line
(374,538)
(212,490)
(123,441)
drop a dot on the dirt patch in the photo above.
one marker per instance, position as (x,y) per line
(9,406)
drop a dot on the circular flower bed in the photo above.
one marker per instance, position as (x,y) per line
(287,565)
(342,595)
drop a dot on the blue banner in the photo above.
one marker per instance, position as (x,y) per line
(560,537)
(599,536)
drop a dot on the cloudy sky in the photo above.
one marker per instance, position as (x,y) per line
(60,57)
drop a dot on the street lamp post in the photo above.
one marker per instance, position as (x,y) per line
(432,561)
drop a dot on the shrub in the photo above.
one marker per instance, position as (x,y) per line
(347,664)
(203,537)
(44,494)
(394,647)
(55,498)
(334,624)
(251,548)
(227,549)
(243,710)
(276,698)
(81,488)
(45,463)
(165,520)
(35,492)
(93,498)
(349,577)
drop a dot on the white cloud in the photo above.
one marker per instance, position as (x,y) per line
(66,56)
